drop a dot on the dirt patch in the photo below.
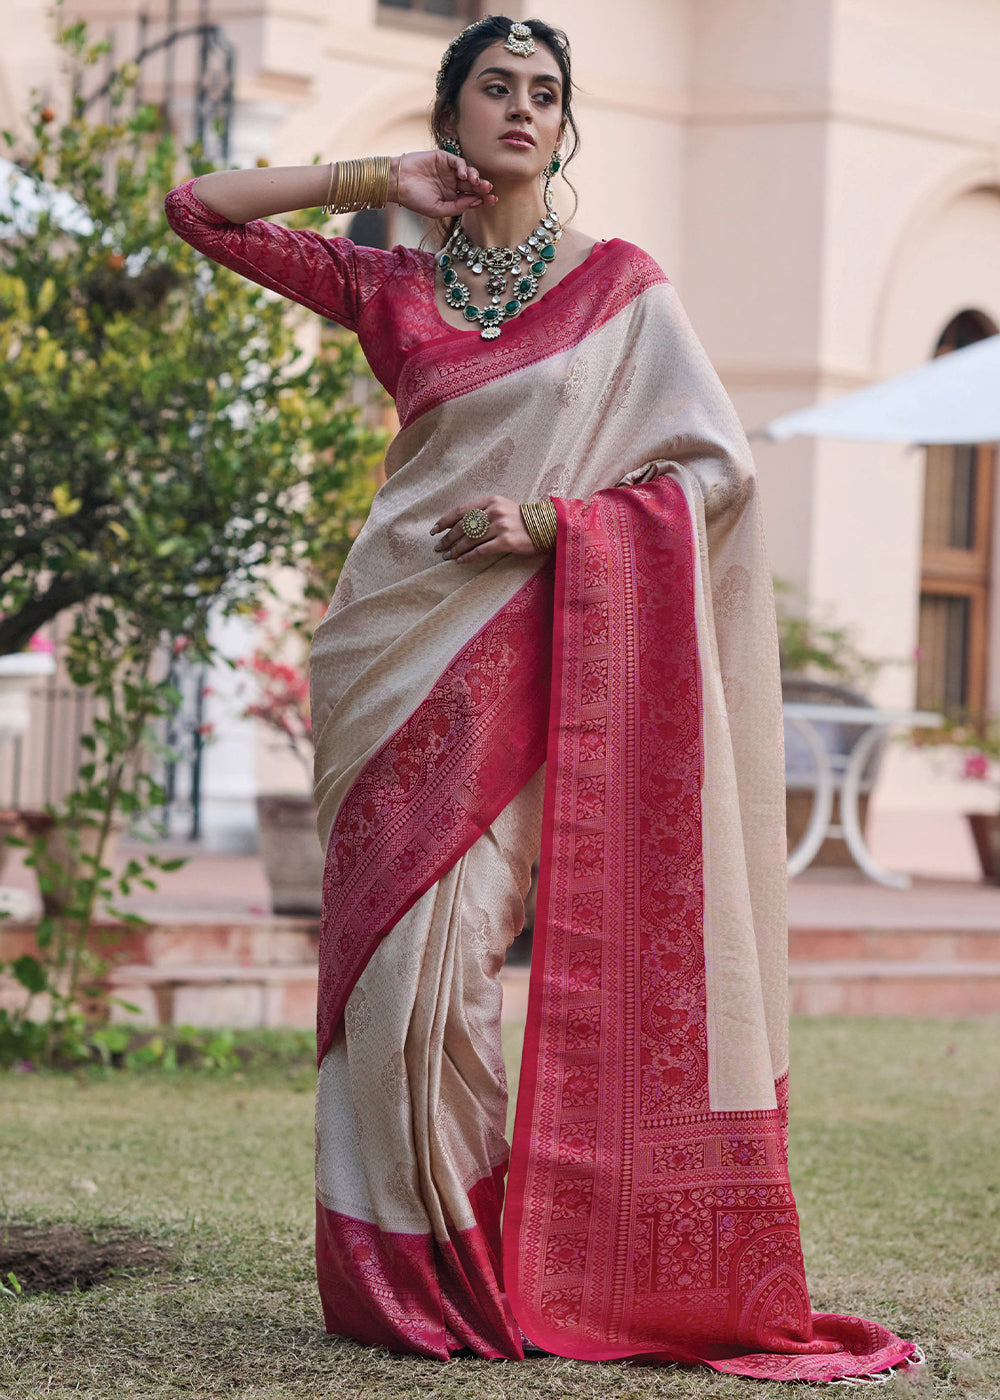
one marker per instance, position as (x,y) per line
(61,1258)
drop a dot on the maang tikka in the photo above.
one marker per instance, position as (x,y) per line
(520,41)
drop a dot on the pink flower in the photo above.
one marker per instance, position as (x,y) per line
(44,644)
(976,766)
(205,729)
(181,644)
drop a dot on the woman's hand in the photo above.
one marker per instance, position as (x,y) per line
(506,533)
(437,184)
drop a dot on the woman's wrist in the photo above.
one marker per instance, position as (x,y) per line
(540,522)
(361,183)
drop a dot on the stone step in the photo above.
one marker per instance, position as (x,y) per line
(243,998)
(911,944)
(261,970)
(270,940)
(247,942)
(220,995)
(284,994)
(894,987)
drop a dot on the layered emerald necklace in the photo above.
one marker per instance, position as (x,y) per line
(512,274)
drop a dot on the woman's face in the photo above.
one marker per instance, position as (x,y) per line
(502,94)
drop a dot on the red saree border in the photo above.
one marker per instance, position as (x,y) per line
(433,788)
(413,1293)
(639,1222)
(458,362)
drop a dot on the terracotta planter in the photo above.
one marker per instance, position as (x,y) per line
(59,847)
(985,828)
(291,853)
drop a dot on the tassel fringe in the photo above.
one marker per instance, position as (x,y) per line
(884,1377)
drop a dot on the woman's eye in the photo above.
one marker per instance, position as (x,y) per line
(547,97)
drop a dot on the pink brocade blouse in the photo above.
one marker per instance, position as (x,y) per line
(387,296)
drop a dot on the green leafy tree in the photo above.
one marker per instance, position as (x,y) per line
(165,446)
(158,424)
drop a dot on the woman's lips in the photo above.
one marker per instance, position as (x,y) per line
(521,142)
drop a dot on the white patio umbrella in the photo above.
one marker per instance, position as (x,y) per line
(954,398)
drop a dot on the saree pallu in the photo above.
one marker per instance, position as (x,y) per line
(648,1210)
(618,705)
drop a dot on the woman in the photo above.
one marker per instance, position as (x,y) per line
(477,693)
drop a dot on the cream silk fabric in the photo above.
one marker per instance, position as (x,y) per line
(633,399)
(419,670)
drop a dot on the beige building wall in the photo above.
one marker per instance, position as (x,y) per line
(820,179)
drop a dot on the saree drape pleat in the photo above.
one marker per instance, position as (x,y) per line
(411,1113)
(619,706)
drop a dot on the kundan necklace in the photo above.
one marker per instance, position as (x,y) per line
(535,253)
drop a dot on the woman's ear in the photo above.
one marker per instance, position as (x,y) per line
(447,126)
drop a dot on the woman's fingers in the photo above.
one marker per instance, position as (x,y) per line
(466,546)
(456,542)
(504,535)
(453,516)
(468,174)
(440,185)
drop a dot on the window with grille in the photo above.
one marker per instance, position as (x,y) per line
(460,11)
(954,632)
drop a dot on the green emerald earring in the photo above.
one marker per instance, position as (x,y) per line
(451,146)
(550,170)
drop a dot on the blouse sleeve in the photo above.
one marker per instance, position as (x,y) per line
(331,276)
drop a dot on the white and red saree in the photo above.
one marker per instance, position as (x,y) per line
(620,706)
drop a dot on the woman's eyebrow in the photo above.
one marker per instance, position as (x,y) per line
(508,73)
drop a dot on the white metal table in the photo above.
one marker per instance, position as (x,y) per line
(834,775)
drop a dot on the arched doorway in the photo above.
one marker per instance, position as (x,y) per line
(956,564)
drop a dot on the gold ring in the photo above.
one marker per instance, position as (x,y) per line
(475,523)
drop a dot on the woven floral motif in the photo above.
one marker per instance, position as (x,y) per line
(580,1089)
(674,1225)
(434,788)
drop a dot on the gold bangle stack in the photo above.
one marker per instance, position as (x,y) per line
(540,522)
(361,184)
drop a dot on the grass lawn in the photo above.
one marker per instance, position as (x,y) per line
(895,1162)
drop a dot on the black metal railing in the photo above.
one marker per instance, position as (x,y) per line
(214,80)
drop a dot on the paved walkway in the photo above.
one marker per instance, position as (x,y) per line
(236,886)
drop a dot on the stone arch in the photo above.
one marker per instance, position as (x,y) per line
(920,294)
(391,118)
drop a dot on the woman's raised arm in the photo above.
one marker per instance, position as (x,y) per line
(242,195)
(224,215)
(433,183)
